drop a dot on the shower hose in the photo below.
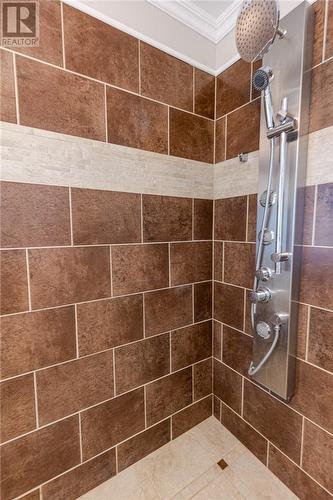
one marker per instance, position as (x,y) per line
(254,369)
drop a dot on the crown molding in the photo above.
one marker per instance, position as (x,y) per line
(198,19)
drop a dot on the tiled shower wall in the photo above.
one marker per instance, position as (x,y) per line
(106,331)
(295,439)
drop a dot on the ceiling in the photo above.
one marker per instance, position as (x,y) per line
(200,32)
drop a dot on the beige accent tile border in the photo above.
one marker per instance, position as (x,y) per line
(233,178)
(39,156)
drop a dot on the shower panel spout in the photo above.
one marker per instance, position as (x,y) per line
(284,84)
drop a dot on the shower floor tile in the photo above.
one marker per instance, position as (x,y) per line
(188,468)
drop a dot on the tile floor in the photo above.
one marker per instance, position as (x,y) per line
(187,468)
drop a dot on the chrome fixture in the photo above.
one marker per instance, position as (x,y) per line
(243,157)
(284,83)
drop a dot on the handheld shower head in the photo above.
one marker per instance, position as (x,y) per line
(256,28)
(261,81)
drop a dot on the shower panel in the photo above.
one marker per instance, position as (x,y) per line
(284,81)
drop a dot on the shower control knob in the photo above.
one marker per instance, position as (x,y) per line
(264,273)
(263,294)
(280,257)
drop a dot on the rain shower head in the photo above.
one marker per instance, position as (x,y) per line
(256,28)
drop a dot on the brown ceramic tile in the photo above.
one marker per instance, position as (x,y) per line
(191,416)
(139,267)
(329,32)
(53,99)
(191,344)
(245,433)
(252,218)
(166,218)
(237,350)
(220,140)
(233,87)
(168,309)
(320,350)
(108,323)
(107,424)
(67,275)
(203,219)
(50,44)
(229,304)
(315,385)
(7,88)
(202,373)
(34,340)
(227,385)
(318,454)
(204,90)
(216,407)
(136,122)
(217,340)
(242,139)
(105,217)
(281,425)
(293,477)
(202,301)
(304,213)
(34,215)
(34,495)
(100,51)
(318,31)
(191,136)
(317,277)
(14,284)
(218,260)
(141,362)
(168,395)
(82,479)
(165,78)
(324,215)
(321,112)
(230,218)
(303,312)
(222,464)
(39,456)
(190,262)
(239,263)
(70,387)
(18,407)
(144,443)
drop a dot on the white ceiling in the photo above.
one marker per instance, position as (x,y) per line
(200,32)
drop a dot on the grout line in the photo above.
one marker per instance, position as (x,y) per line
(225,136)
(36,401)
(325,32)
(193,384)
(62,35)
(193,305)
(192,218)
(242,398)
(144,316)
(116,456)
(314,216)
(247,218)
(80,437)
(222,264)
(28,279)
(221,341)
(169,262)
(114,372)
(106,115)
(70,214)
(302,444)
(244,310)
(76,332)
(139,59)
(307,332)
(170,351)
(267,456)
(16,90)
(111,276)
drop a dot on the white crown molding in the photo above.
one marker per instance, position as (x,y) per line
(198,19)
